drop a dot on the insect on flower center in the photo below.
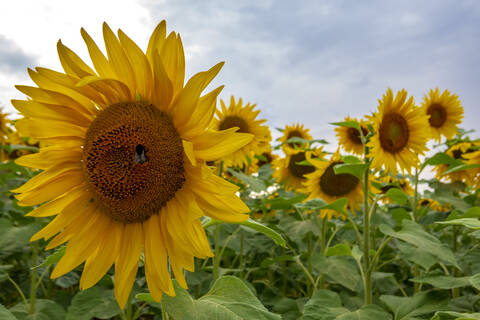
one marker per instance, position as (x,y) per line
(133,161)
(337,185)
(354,134)
(299,170)
(234,121)
(438,115)
(393,132)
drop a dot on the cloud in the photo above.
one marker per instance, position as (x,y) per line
(13,58)
(317,61)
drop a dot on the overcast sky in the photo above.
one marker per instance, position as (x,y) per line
(312,62)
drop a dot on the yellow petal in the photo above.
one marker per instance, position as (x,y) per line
(212,145)
(50,156)
(56,206)
(71,63)
(188,149)
(42,129)
(163,92)
(98,59)
(143,72)
(113,90)
(156,41)
(173,59)
(118,60)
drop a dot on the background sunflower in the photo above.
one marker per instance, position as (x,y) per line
(349,138)
(400,135)
(296,130)
(444,111)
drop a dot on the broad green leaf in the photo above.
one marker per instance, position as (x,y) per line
(324,305)
(319,204)
(421,304)
(44,310)
(461,167)
(284,203)
(339,269)
(251,224)
(355,169)
(417,255)
(397,196)
(414,234)
(471,223)
(297,141)
(451,315)
(340,249)
(228,299)
(5,314)
(14,238)
(366,313)
(348,124)
(93,303)
(53,258)
(254,183)
(399,214)
(439,158)
(350,159)
(442,281)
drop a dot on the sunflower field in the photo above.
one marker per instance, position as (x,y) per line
(127,192)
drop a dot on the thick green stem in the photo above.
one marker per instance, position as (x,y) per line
(33,278)
(217,257)
(323,250)
(415,196)
(366,242)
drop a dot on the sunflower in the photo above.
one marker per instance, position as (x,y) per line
(294,131)
(399,133)
(289,172)
(474,158)
(325,184)
(125,170)
(243,117)
(433,204)
(4,133)
(260,160)
(458,151)
(445,113)
(349,138)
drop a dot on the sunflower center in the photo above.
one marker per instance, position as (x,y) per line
(268,159)
(393,132)
(294,134)
(438,115)
(234,121)
(354,134)
(337,185)
(298,170)
(133,161)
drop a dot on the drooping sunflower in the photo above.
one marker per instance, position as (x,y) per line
(444,111)
(400,135)
(433,204)
(349,138)
(288,170)
(245,118)
(325,184)
(125,170)
(296,130)
(458,151)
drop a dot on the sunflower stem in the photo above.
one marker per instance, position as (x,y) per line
(218,255)
(33,278)
(415,196)
(129,308)
(366,241)
(323,249)
(309,261)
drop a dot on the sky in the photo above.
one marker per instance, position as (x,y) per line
(312,62)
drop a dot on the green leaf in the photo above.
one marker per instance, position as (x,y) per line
(251,224)
(397,196)
(339,269)
(53,258)
(93,303)
(451,315)
(44,310)
(296,141)
(13,238)
(414,234)
(269,261)
(319,204)
(355,169)
(326,305)
(5,314)
(421,304)
(471,223)
(417,255)
(440,158)
(348,124)
(442,281)
(255,184)
(461,167)
(340,249)
(228,299)
(284,203)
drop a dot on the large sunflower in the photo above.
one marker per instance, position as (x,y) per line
(349,138)
(125,171)
(399,133)
(294,131)
(325,184)
(243,117)
(458,151)
(445,113)
(290,172)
